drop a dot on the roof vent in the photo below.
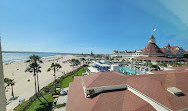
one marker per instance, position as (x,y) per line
(175,91)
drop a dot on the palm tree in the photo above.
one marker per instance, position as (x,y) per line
(186,63)
(163,65)
(158,62)
(123,62)
(83,60)
(175,64)
(77,62)
(107,57)
(147,62)
(55,67)
(150,64)
(35,59)
(10,82)
(132,62)
(73,62)
(34,68)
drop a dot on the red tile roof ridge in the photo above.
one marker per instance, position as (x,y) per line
(152,48)
(96,75)
(94,105)
(166,96)
(167,102)
(74,85)
(140,108)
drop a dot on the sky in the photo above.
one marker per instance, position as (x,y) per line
(82,26)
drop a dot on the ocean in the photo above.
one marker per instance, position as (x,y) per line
(15,57)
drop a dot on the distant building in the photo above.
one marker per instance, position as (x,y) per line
(2,87)
(125,54)
(152,49)
(112,91)
(173,51)
(168,54)
(153,53)
(186,54)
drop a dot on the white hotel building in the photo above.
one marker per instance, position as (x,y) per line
(154,54)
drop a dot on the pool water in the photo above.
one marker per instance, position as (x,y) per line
(129,70)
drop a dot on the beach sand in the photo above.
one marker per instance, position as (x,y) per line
(25,89)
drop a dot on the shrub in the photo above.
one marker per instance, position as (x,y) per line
(46,89)
(60,105)
(24,106)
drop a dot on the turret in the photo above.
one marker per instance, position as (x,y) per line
(168,46)
(152,39)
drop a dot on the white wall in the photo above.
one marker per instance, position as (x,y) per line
(115,68)
(2,87)
(103,88)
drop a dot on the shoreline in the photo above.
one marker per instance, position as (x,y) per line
(43,58)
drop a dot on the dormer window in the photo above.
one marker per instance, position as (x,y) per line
(176,91)
(90,92)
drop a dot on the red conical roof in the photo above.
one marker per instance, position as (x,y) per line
(152,37)
(168,46)
(152,48)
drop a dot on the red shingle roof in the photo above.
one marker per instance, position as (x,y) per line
(152,37)
(153,85)
(152,48)
(163,50)
(111,101)
(151,88)
(174,49)
(104,79)
(155,58)
(186,52)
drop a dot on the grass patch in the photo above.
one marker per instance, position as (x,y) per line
(67,80)
(37,106)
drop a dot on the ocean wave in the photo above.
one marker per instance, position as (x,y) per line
(17,57)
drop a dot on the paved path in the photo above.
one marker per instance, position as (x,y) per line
(61,100)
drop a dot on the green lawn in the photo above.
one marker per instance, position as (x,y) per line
(37,106)
(69,79)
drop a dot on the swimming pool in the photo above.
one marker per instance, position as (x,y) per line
(129,70)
